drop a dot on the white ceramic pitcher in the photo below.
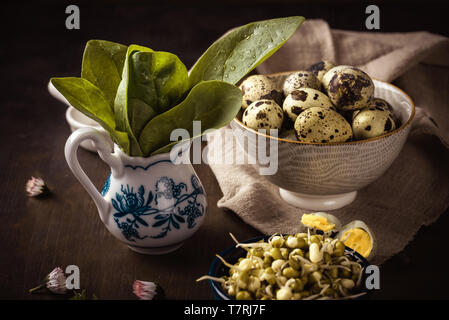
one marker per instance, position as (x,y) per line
(151,204)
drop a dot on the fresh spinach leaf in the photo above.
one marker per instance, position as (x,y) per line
(160,79)
(103,65)
(155,82)
(121,103)
(140,96)
(90,100)
(136,47)
(214,103)
(242,49)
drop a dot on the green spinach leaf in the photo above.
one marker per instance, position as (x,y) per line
(90,100)
(156,81)
(214,103)
(103,65)
(140,96)
(121,102)
(160,80)
(242,49)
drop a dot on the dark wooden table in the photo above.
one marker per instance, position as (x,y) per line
(38,234)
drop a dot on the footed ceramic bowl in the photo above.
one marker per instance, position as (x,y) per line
(325,176)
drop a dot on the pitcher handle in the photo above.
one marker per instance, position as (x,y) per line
(104,147)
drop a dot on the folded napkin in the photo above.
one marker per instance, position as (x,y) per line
(415,189)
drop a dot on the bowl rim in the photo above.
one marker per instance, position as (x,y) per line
(402,127)
(76,123)
(220,294)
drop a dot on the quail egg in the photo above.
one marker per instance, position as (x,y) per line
(372,122)
(321,223)
(357,236)
(348,88)
(301,79)
(263,114)
(378,103)
(330,73)
(321,125)
(302,99)
(260,87)
(320,68)
(381,103)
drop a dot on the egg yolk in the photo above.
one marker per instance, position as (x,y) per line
(358,240)
(317,222)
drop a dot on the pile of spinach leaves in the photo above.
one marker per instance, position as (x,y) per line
(139,96)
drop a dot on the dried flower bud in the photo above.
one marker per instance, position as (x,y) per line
(35,187)
(56,281)
(146,290)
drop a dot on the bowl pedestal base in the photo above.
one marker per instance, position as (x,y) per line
(317,202)
(156,250)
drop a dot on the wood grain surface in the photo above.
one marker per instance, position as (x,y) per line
(37,235)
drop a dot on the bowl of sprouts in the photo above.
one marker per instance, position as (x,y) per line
(300,266)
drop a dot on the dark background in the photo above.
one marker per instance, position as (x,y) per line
(37,235)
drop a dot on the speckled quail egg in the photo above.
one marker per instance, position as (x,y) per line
(357,236)
(330,73)
(302,99)
(372,122)
(321,125)
(348,88)
(379,103)
(263,114)
(320,68)
(301,79)
(320,223)
(260,87)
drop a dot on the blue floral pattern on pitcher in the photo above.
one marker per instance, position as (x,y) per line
(106,186)
(132,207)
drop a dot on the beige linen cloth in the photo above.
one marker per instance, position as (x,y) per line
(415,189)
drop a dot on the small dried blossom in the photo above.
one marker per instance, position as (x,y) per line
(55,281)
(35,187)
(146,290)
